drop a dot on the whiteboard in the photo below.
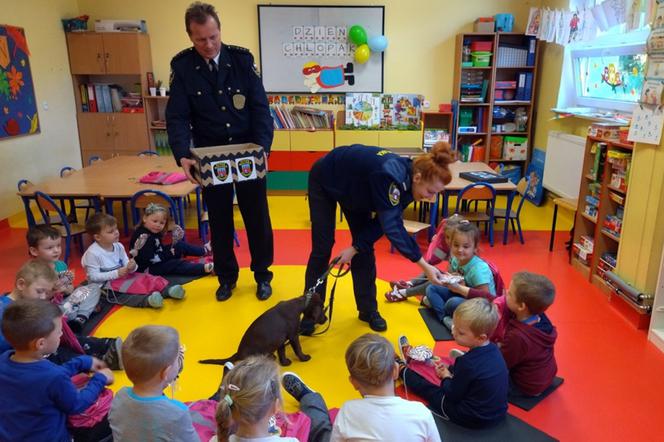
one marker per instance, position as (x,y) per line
(564,163)
(291,37)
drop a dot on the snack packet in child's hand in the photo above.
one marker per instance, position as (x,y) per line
(449,278)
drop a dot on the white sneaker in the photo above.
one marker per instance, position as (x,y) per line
(455,353)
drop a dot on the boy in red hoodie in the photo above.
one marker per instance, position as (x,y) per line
(529,336)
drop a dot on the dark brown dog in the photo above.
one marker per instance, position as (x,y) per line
(277,326)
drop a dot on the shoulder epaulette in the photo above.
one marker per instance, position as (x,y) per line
(182,53)
(239,49)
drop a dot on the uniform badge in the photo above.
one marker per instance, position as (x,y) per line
(245,167)
(221,171)
(394,194)
(238,101)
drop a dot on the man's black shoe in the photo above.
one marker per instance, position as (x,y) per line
(225,291)
(375,320)
(264,290)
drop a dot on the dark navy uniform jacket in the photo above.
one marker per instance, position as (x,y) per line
(216,108)
(369,179)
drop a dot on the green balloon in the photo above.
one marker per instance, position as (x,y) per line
(357,35)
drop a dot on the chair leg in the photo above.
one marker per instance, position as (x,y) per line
(80,244)
(505,231)
(518,223)
(236,239)
(125,218)
(513,228)
(67,248)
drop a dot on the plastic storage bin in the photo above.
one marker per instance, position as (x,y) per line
(481,46)
(481,58)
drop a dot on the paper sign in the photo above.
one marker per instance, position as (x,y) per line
(647,122)
(534,19)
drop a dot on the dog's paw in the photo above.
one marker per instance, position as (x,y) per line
(285,362)
(304,358)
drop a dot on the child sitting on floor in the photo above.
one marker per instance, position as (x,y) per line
(35,280)
(160,259)
(473,391)
(153,360)
(529,336)
(379,415)
(106,260)
(438,251)
(36,396)
(250,396)
(477,277)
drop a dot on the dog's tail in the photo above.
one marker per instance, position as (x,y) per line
(218,361)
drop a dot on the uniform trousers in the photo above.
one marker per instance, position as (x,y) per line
(252,200)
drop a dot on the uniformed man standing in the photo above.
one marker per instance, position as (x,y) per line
(373,186)
(217,98)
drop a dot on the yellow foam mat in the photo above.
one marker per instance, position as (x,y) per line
(211,329)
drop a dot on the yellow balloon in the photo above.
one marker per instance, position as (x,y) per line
(362,53)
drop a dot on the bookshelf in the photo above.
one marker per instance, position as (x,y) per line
(490,92)
(155,114)
(436,126)
(101,64)
(603,192)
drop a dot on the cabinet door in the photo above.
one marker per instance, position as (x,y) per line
(121,53)
(130,133)
(86,53)
(95,133)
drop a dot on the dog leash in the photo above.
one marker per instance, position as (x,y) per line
(330,307)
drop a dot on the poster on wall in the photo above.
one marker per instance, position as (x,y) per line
(18,108)
(311,49)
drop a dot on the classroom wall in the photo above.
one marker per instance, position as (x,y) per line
(421,33)
(36,157)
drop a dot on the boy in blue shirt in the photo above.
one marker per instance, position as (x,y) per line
(36,396)
(472,392)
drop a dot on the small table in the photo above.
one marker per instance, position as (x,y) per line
(565,203)
(115,179)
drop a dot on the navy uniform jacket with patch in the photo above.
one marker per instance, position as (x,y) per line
(216,108)
(364,178)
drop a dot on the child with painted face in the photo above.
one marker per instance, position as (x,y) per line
(478,278)
(158,258)
(153,359)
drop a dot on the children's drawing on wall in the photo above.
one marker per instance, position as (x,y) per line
(652,92)
(406,110)
(534,19)
(18,108)
(575,27)
(612,76)
(317,77)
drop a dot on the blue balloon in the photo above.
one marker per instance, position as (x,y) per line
(377,43)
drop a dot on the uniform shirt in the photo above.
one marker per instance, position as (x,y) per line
(370,179)
(216,108)
(475,272)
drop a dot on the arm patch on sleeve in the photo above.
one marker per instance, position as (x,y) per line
(394,194)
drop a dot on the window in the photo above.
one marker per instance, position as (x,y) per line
(606,73)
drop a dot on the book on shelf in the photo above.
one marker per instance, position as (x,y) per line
(300,117)
(433,136)
(103,97)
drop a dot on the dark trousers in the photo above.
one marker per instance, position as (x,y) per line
(92,346)
(313,405)
(99,433)
(252,199)
(322,210)
(178,266)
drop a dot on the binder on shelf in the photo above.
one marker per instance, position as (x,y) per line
(532,44)
(529,86)
(92,99)
(521,87)
(108,104)
(101,106)
(84,98)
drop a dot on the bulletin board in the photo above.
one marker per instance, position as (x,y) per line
(305,49)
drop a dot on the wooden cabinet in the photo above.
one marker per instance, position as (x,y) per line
(105,61)
(107,53)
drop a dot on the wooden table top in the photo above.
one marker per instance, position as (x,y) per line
(117,177)
(459,183)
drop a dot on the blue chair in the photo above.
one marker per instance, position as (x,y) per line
(87,204)
(477,193)
(511,215)
(93,159)
(141,199)
(51,213)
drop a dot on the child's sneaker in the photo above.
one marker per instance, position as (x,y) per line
(113,356)
(295,386)
(425,302)
(455,353)
(448,322)
(175,292)
(400,284)
(395,296)
(77,324)
(155,300)
(404,347)
(208,267)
